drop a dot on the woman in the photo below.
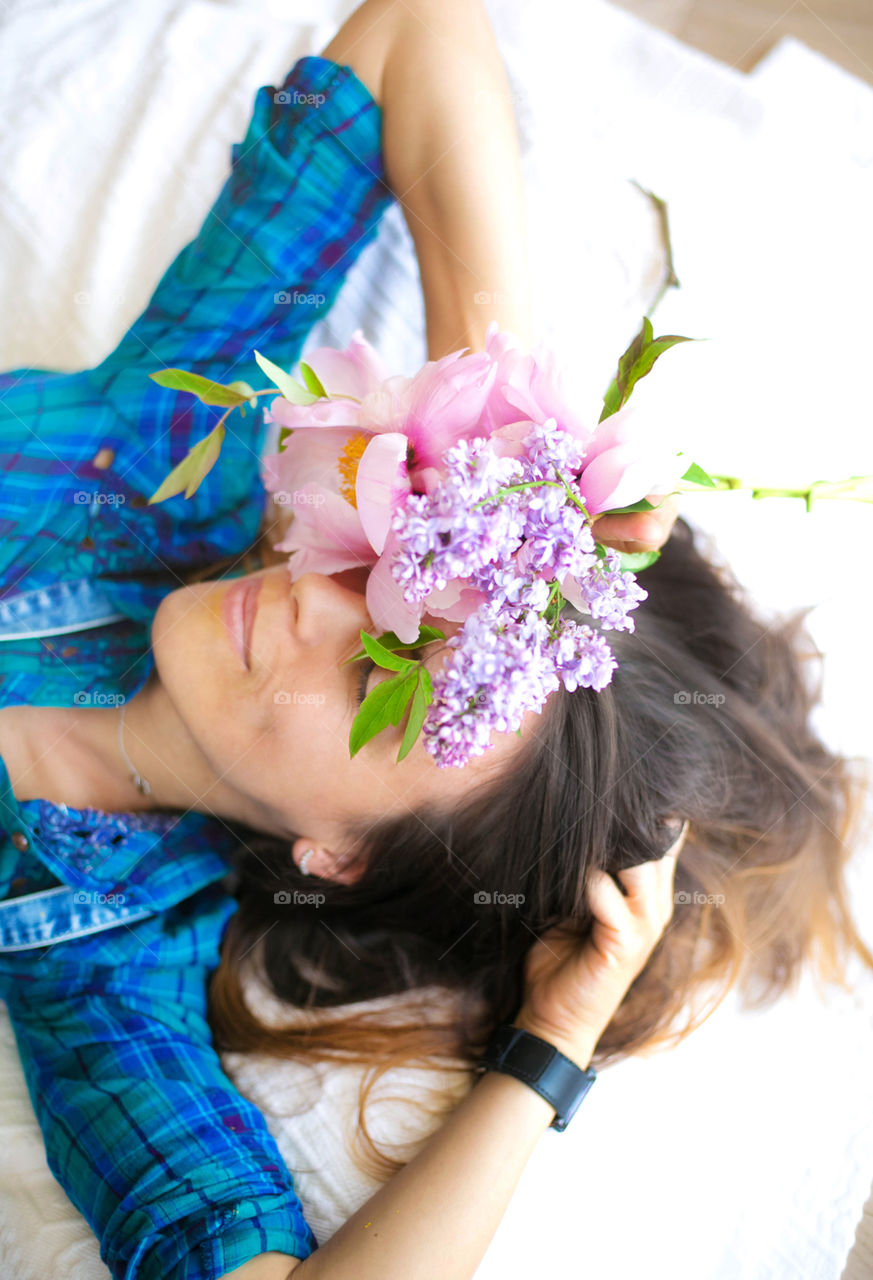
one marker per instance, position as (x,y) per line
(111,1024)
(113,906)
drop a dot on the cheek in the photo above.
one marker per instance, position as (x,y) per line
(198,669)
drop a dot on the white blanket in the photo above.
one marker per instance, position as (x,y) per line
(748,1150)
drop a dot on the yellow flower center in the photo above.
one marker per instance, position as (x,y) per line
(347,466)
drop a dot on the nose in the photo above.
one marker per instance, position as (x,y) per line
(330,611)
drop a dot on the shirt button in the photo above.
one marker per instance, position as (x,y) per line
(20,840)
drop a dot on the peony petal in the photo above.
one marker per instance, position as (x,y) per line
(642,429)
(455,602)
(325,534)
(572,593)
(385,603)
(354,372)
(309,457)
(381,483)
(445,401)
(619,477)
(508,441)
(321,413)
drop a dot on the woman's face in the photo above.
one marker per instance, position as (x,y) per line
(256,669)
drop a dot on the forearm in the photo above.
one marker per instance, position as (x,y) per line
(451,157)
(420,1225)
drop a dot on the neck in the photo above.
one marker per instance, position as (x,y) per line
(71,755)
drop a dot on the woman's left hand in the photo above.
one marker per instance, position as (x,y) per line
(642,530)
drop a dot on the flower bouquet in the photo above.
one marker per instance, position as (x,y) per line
(471,491)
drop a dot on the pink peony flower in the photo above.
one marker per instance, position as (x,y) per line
(350,461)
(630,455)
(442,404)
(528,388)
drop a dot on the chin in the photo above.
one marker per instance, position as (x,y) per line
(189,640)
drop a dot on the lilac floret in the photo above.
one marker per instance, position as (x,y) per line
(610,593)
(583,658)
(512,529)
(500,670)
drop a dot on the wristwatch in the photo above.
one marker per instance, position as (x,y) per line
(540,1065)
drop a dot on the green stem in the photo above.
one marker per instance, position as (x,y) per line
(854,488)
(517,488)
(574,498)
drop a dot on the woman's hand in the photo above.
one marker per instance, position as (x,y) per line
(642,530)
(572,991)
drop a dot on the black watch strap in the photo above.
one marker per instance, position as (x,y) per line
(540,1065)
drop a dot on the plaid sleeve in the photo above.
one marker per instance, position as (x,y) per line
(304,196)
(175,1171)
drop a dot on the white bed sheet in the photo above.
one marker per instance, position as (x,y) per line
(721,1158)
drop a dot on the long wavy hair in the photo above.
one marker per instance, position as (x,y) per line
(707,718)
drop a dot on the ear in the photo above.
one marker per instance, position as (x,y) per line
(313,859)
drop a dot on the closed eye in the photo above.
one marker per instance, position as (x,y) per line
(367,665)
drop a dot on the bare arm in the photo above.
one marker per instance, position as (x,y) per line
(451,158)
(436,1217)
(402,1233)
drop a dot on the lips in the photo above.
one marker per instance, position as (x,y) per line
(238,610)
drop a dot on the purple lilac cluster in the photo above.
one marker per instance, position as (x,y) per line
(515,530)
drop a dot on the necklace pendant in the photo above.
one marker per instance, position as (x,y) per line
(142,785)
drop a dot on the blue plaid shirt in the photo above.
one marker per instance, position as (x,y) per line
(111,923)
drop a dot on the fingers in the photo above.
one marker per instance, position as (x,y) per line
(649,886)
(641,531)
(606,900)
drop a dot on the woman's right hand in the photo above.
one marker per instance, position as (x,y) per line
(572,990)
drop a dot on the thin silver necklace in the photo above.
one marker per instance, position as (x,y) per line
(142,784)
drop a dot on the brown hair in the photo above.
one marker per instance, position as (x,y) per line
(707,718)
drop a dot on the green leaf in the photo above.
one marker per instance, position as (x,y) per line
(696,475)
(388,640)
(385,705)
(203,388)
(312,380)
(196,464)
(284,433)
(384,657)
(642,505)
(417,712)
(290,389)
(635,363)
(636,561)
